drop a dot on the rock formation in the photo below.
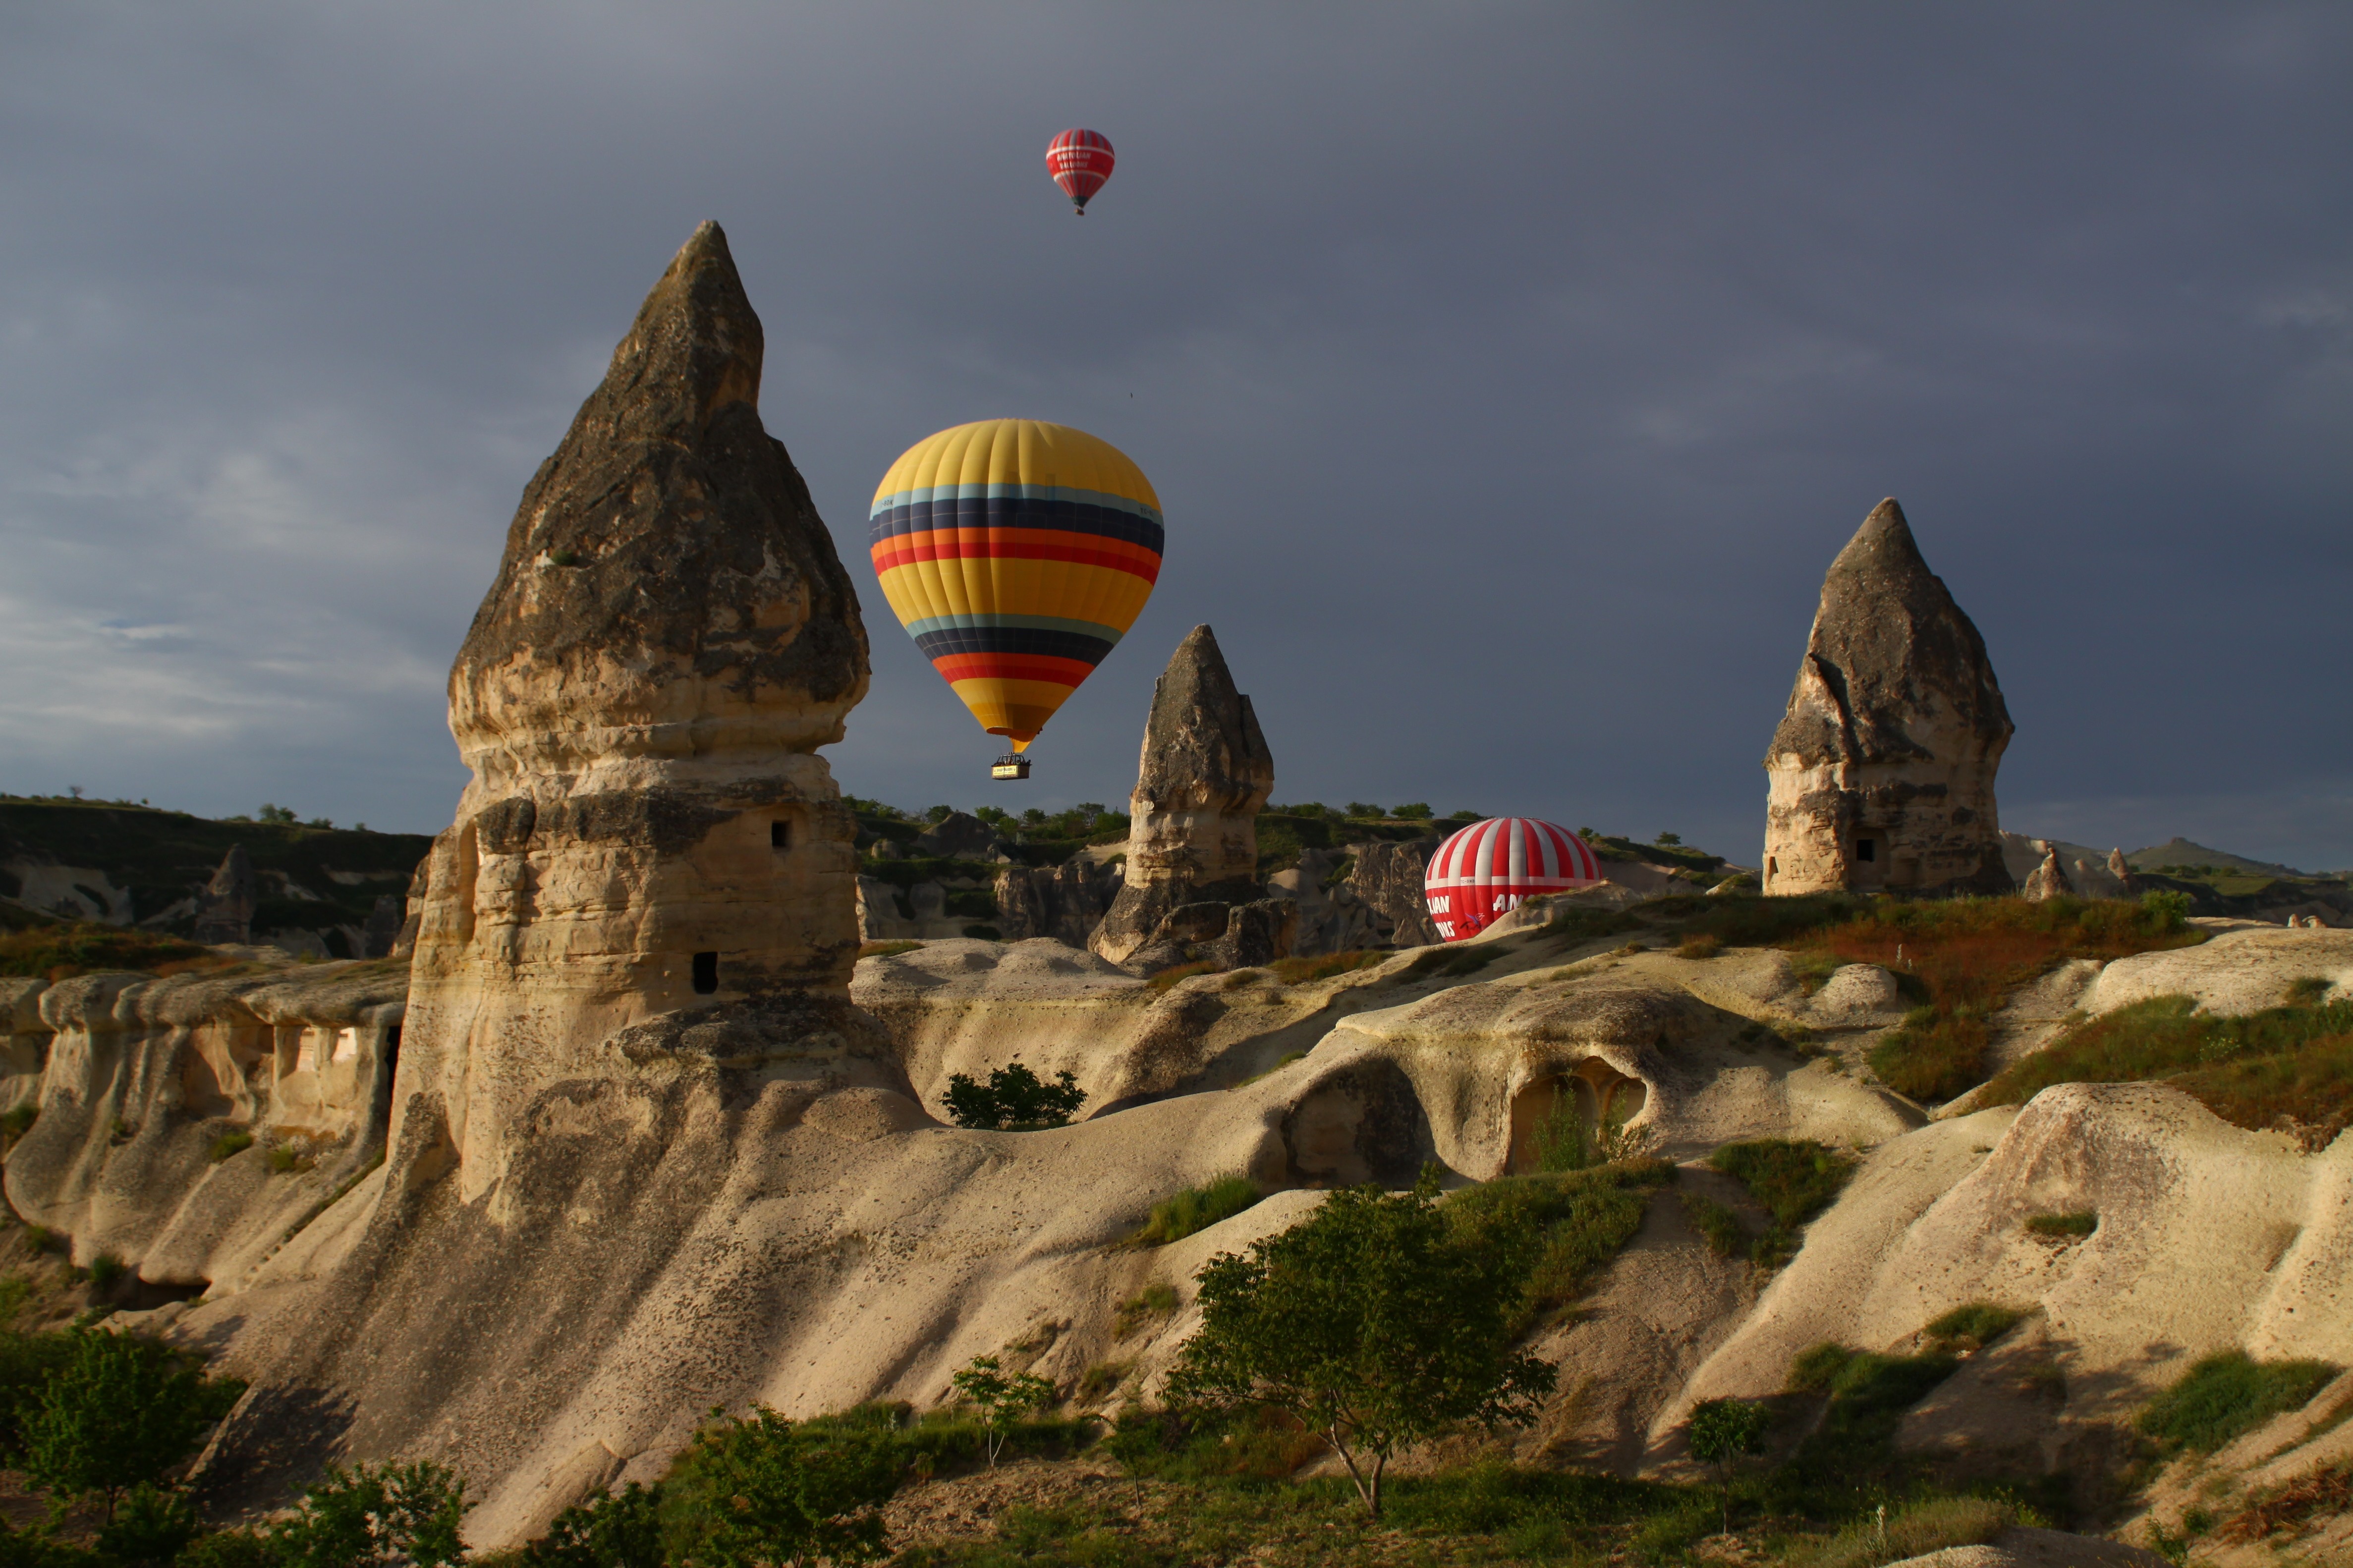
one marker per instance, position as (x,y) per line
(2049,879)
(1883,768)
(1332,917)
(224,908)
(2121,870)
(960,836)
(1065,902)
(1387,878)
(1205,775)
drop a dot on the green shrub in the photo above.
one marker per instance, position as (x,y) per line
(285,1159)
(1869,1392)
(150,1526)
(2072,1227)
(1973,1326)
(117,1412)
(1197,1209)
(1014,1099)
(1723,1432)
(229,1549)
(1003,1398)
(758,1490)
(17,1120)
(1935,1059)
(232,1142)
(58,951)
(369,1514)
(1816,1365)
(2227,1395)
(1794,1179)
(1099,1382)
(105,1269)
(1555,1231)
(609,1530)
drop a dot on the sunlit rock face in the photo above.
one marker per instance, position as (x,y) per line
(1883,768)
(1205,776)
(648,834)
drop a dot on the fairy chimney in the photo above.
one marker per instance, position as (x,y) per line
(1193,819)
(1882,771)
(649,837)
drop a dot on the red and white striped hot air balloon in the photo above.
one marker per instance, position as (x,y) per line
(1492,867)
(1080,161)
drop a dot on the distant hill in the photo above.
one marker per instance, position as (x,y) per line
(125,864)
(2182,852)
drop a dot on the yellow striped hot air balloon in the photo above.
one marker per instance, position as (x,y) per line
(1015,553)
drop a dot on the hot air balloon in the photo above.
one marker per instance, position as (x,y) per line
(1015,553)
(1080,161)
(1492,867)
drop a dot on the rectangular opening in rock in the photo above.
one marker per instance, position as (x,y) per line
(706,973)
(780,835)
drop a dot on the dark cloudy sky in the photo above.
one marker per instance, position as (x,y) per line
(1509,373)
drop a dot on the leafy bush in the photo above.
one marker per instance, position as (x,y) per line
(229,1549)
(17,1119)
(1197,1209)
(758,1490)
(1937,1058)
(150,1526)
(1014,1099)
(1793,1179)
(1719,1226)
(2071,1226)
(1377,1322)
(607,1531)
(105,1270)
(2227,1395)
(114,1411)
(375,1514)
(229,1143)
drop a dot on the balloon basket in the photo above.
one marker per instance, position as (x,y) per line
(1013,765)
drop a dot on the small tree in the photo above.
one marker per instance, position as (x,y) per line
(1721,1432)
(119,1412)
(371,1515)
(759,1490)
(1002,1397)
(1014,1098)
(1374,1323)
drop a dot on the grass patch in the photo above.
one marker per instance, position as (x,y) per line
(1964,957)
(1917,1530)
(2288,1066)
(1306,970)
(1726,1235)
(2227,1395)
(62,951)
(285,1160)
(2071,1226)
(885,949)
(17,1119)
(2325,1492)
(106,1270)
(1794,1179)
(1972,1327)
(1197,1209)
(1165,979)
(1561,1228)
(229,1143)
(1702,944)
(1869,1392)
(1101,1381)
(1156,1301)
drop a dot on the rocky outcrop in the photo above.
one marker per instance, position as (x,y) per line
(2121,870)
(1065,902)
(2049,879)
(1205,775)
(960,836)
(1332,917)
(1883,768)
(225,907)
(1387,878)
(1222,935)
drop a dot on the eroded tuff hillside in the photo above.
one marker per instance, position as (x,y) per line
(812,1234)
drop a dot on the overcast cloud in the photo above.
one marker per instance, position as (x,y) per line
(1510,373)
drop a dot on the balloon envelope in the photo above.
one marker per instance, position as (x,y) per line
(1015,553)
(1079,161)
(1490,867)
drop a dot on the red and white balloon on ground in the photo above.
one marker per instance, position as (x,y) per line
(1492,867)
(1079,161)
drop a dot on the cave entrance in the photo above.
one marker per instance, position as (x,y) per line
(1555,1116)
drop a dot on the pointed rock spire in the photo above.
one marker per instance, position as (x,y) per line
(666,582)
(1883,764)
(1193,828)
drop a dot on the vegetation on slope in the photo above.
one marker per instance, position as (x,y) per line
(61,950)
(2290,1066)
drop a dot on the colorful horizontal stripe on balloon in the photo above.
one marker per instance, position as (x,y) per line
(977,492)
(1018,545)
(1122,523)
(956,666)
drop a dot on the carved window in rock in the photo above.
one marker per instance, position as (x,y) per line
(1554,1118)
(705,974)
(780,834)
(1866,849)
